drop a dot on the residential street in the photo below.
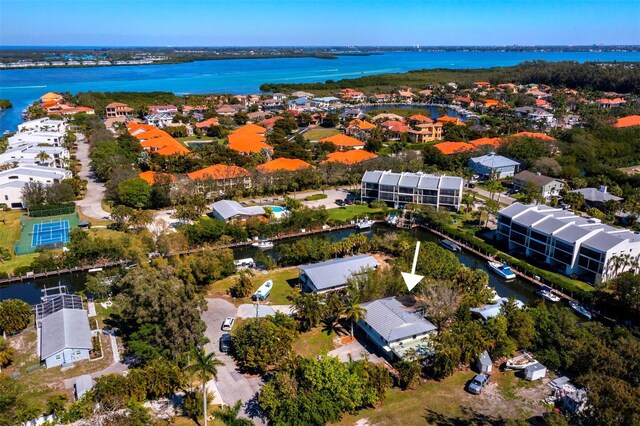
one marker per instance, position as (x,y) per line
(231,384)
(504,199)
(91,204)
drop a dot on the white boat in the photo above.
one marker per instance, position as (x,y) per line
(364,223)
(502,269)
(244,263)
(263,291)
(392,219)
(520,362)
(94,270)
(450,245)
(546,293)
(580,309)
(263,244)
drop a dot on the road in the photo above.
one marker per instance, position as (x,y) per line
(232,385)
(91,204)
(504,199)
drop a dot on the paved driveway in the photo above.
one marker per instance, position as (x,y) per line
(329,202)
(231,384)
(91,204)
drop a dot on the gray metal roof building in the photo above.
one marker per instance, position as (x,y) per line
(333,274)
(64,329)
(228,209)
(390,319)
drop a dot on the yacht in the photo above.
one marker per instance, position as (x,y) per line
(364,223)
(546,293)
(502,269)
(450,245)
(263,244)
(580,309)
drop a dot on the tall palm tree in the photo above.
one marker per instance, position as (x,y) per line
(353,311)
(205,367)
(43,157)
(229,415)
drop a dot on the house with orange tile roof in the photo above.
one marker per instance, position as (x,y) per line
(223,176)
(381,98)
(425,92)
(250,139)
(491,103)
(405,95)
(51,96)
(537,93)
(344,142)
(543,103)
(610,103)
(534,135)
(350,157)
(226,110)
(270,122)
(63,109)
(359,128)
(628,121)
(494,142)
(508,87)
(151,177)
(155,140)
(352,95)
(210,122)
(464,101)
(481,85)
(425,132)
(396,128)
(283,165)
(448,148)
(447,119)
(118,109)
(419,119)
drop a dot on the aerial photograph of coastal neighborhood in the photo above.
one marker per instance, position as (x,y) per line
(329,212)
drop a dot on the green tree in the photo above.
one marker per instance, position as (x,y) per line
(134,192)
(260,343)
(408,373)
(229,415)
(308,309)
(14,316)
(353,312)
(6,353)
(243,286)
(205,367)
(56,404)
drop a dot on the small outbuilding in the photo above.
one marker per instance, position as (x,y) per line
(535,372)
(83,385)
(484,363)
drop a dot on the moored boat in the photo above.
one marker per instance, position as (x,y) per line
(520,362)
(450,245)
(580,309)
(263,291)
(502,269)
(364,223)
(546,293)
(263,244)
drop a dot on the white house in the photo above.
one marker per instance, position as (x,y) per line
(396,329)
(572,244)
(43,125)
(65,337)
(493,165)
(31,154)
(37,138)
(13,180)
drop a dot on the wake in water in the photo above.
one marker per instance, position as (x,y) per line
(24,87)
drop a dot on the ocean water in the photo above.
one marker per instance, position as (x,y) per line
(241,76)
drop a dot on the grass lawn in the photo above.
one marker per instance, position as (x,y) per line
(350,212)
(319,133)
(9,234)
(313,343)
(284,281)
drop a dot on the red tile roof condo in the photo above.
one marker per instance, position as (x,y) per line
(283,164)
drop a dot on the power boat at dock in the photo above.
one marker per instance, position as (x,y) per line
(502,269)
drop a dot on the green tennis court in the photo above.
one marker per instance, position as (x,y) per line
(45,232)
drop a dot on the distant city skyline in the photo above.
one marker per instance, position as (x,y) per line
(318,23)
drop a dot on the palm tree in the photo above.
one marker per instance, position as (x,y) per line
(43,157)
(205,367)
(6,353)
(229,415)
(353,311)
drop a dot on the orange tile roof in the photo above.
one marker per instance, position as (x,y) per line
(535,135)
(447,119)
(395,126)
(49,104)
(362,125)
(448,148)
(164,146)
(494,142)
(137,128)
(116,104)
(248,143)
(218,172)
(208,123)
(541,102)
(482,83)
(421,118)
(343,140)
(349,157)
(270,122)
(631,120)
(151,134)
(283,164)
(491,103)
(150,176)
(605,101)
(50,96)
(250,128)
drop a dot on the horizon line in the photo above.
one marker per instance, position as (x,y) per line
(415,46)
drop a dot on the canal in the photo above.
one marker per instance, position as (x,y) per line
(30,291)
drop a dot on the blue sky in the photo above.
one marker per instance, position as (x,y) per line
(319,22)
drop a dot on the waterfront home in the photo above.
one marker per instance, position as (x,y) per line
(405,96)
(399,189)
(344,142)
(49,138)
(301,94)
(33,154)
(51,96)
(571,244)
(425,132)
(229,210)
(118,109)
(596,197)
(223,176)
(14,179)
(159,109)
(610,103)
(325,102)
(451,120)
(44,124)
(396,330)
(65,337)
(283,165)
(333,274)
(628,121)
(380,98)
(350,157)
(549,187)
(493,309)
(492,165)
(352,95)
(394,128)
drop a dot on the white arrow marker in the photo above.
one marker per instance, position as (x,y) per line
(412,279)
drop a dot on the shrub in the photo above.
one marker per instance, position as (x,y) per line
(315,197)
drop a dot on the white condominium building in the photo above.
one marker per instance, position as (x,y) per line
(399,189)
(582,246)
(13,180)
(43,125)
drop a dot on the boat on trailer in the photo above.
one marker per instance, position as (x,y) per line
(263,291)
(502,269)
(546,293)
(580,309)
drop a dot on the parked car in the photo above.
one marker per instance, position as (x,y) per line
(348,201)
(225,342)
(227,324)
(340,203)
(471,185)
(478,382)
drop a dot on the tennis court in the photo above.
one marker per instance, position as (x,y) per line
(50,233)
(45,233)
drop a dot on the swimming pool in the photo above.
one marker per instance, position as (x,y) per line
(277,209)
